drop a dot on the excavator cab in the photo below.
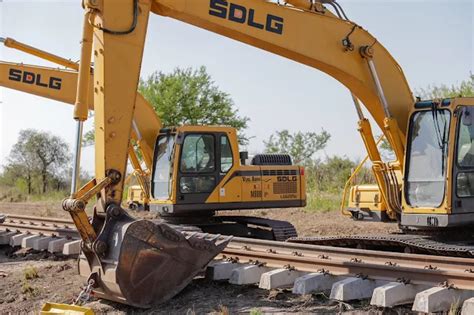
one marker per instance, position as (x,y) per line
(199,169)
(439,177)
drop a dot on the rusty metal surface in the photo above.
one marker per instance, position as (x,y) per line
(156,262)
(407,268)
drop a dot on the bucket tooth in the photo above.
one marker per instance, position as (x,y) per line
(191,235)
(215,238)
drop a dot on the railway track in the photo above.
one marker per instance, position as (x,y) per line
(414,270)
(40,225)
(409,268)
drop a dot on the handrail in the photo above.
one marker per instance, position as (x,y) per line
(351,178)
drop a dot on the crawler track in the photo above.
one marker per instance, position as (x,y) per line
(422,244)
(408,268)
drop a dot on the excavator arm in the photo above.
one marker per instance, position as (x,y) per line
(333,45)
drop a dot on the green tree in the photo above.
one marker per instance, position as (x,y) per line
(190,97)
(37,156)
(301,146)
(332,174)
(463,89)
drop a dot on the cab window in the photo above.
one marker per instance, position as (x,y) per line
(427,157)
(465,139)
(198,154)
(227,159)
(465,154)
(197,184)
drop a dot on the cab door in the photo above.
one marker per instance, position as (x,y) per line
(463,164)
(230,183)
(199,168)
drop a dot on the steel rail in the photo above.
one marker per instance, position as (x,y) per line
(33,219)
(408,268)
(40,225)
(362,255)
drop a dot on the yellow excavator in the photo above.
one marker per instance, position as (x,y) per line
(140,262)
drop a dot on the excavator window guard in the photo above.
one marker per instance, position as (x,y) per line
(197,185)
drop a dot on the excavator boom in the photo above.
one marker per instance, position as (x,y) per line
(318,39)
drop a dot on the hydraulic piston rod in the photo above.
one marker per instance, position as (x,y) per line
(378,85)
(77,158)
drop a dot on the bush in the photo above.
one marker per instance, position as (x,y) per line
(325,181)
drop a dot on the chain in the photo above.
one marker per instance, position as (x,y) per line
(85,294)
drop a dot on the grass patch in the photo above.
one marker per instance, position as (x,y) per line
(49,196)
(455,308)
(11,194)
(30,273)
(28,289)
(323,201)
(255,311)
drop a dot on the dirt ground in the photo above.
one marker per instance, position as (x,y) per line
(29,279)
(307,223)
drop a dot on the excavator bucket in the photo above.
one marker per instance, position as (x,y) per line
(148,262)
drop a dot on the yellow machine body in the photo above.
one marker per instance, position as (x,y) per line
(136,197)
(365,201)
(65,309)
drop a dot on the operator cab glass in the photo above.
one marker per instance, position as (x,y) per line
(427,156)
(162,172)
(197,164)
(464,167)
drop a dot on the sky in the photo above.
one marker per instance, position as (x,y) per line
(432,40)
